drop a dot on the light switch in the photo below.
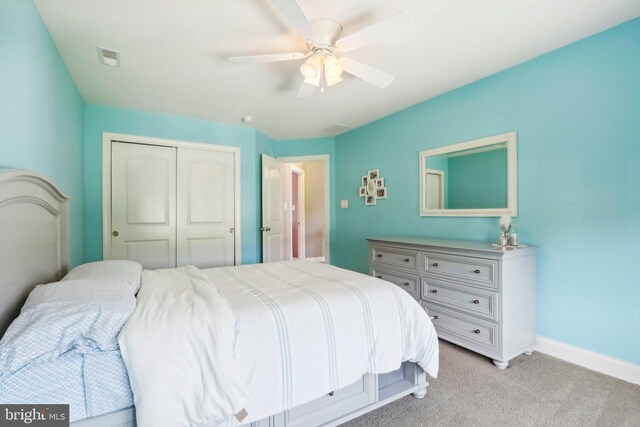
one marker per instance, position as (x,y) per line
(344,204)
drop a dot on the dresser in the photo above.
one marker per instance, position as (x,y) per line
(479,296)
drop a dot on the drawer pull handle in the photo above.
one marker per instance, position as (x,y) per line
(331,393)
(435,291)
(477,331)
(435,317)
(435,264)
(379,255)
(476,301)
(379,277)
(406,283)
(477,271)
(406,260)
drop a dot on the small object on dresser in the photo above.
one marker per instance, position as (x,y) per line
(513,237)
(505,227)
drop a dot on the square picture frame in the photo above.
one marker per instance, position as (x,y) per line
(370,201)
(379,182)
(381,193)
(373,174)
(362,191)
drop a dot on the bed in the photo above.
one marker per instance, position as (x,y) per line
(260,296)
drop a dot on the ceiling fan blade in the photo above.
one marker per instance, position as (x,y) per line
(259,59)
(388,27)
(306,90)
(368,74)
(292,12)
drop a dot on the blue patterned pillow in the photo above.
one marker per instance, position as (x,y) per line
(81,316)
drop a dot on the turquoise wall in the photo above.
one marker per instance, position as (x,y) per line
(577,114)
(41,110)
(478,181)
(99,119)
(312,147)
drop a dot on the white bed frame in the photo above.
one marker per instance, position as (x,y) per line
(34,243)
(34,249)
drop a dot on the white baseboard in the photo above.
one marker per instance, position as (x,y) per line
(607,365)
(317,259)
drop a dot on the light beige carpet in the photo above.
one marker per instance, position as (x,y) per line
(536,390)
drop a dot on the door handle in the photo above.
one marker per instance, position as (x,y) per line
(265,228)
(115,234)
(231,230)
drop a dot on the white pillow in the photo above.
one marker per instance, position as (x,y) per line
(124,270)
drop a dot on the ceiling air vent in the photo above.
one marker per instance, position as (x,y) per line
(109,57)
(335,129)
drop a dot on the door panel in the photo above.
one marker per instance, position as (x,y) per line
(152,254)
(143,217)
(273,207)
(206,208)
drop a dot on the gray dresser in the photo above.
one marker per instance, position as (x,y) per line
(480,297)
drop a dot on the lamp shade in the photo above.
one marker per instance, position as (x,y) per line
(332,67)
(312,67)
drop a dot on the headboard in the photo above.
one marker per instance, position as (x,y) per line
(34,239)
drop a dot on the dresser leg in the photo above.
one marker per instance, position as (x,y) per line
(529,351)
(501,365)
(420,393)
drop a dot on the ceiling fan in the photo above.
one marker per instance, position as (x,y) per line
(324,46)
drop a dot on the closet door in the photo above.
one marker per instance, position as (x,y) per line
(206,208)
(143,204)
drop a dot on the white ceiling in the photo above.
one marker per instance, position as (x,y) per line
(174,53)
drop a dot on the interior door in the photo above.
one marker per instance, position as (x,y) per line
(434,188)
(143,200)
(206,208)
(273,209)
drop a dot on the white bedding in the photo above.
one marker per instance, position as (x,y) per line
(178,349)
(304,329)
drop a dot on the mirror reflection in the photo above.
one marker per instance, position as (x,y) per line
(468,179)
(472,178)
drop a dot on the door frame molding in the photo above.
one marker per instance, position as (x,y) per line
(301,210)
(108,138)
(327,192)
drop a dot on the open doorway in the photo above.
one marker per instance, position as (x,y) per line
(298,236)
(308,213)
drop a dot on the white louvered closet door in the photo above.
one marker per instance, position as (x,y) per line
(143,204)
(205,208)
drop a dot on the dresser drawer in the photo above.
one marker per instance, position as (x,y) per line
(406,281)
(395,257)
(469,300)
(467,331)
(334,404)
(480,271)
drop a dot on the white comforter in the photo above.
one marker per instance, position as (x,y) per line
(304,329)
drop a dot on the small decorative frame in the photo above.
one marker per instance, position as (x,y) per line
(372,187)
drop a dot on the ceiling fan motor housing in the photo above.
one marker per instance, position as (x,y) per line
(327,31)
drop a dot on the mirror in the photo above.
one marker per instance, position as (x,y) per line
(473,178)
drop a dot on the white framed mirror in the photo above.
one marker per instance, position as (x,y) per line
(472,178)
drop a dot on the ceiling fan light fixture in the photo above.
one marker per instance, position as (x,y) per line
(313,81)
(332,80)
(312,67)
(332,67)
